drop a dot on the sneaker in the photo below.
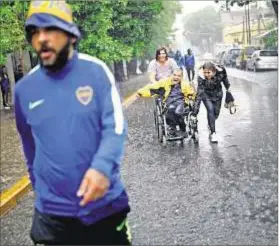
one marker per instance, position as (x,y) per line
(214,138)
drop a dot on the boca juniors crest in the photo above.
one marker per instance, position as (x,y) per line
(84,94)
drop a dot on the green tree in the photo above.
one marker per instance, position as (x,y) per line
(111,30)
(271,39)
(94,21)
(203,28)
(161,28)
(131,27)
(241,3)
(12,16)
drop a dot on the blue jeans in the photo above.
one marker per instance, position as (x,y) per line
(213,111)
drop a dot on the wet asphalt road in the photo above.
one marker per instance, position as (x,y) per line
(206,194)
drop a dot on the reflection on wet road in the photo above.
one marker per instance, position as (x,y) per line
(206,194)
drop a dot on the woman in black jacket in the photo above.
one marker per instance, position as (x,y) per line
(210,92)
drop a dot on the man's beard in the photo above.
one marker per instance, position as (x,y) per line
(61,58)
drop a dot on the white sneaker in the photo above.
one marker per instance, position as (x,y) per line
(214,138)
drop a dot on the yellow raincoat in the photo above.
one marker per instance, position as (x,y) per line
(163,87)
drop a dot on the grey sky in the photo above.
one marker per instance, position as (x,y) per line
(190,7)
(193,6)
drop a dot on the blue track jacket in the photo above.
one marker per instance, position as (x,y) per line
(70,121)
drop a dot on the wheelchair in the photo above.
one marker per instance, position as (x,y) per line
(161,126)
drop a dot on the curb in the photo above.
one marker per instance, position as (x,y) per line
(10,197)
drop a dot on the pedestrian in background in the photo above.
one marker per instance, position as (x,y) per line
(190,64)
(179,59)
(5,86)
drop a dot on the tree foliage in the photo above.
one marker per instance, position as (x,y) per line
(161,28)
(12,15)
(271,39)
(241,3)
(111,30)
(203,28)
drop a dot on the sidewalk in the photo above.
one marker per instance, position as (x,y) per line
(12,164)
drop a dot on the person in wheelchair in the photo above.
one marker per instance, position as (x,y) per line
(176,95)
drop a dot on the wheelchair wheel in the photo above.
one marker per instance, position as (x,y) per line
(182,143)
(196,137)
(160,130)
(164,141)
(157,122)
(155,118)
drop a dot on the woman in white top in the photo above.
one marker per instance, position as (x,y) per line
(162,66)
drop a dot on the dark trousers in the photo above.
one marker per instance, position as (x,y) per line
(56,230)
(189,71)
(213,111)
(5,95)
(174,116)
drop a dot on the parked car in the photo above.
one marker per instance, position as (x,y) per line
(244,55)
(219,57)
(230,57)
(263,60)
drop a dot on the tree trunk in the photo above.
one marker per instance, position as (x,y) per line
(119,71)
(143,67)
(132,67)
(275,6)
(21,60)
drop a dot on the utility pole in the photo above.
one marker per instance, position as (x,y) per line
(258,19)
(243,33)
(249,27)
(246,25)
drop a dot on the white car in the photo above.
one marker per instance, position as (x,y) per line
(263,60)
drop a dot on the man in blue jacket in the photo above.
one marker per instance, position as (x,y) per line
(69,116)
(190,64)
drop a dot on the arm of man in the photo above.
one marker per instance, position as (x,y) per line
(96,180)
(26,136)
(151,89)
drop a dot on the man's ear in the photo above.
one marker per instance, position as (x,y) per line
(73,40)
